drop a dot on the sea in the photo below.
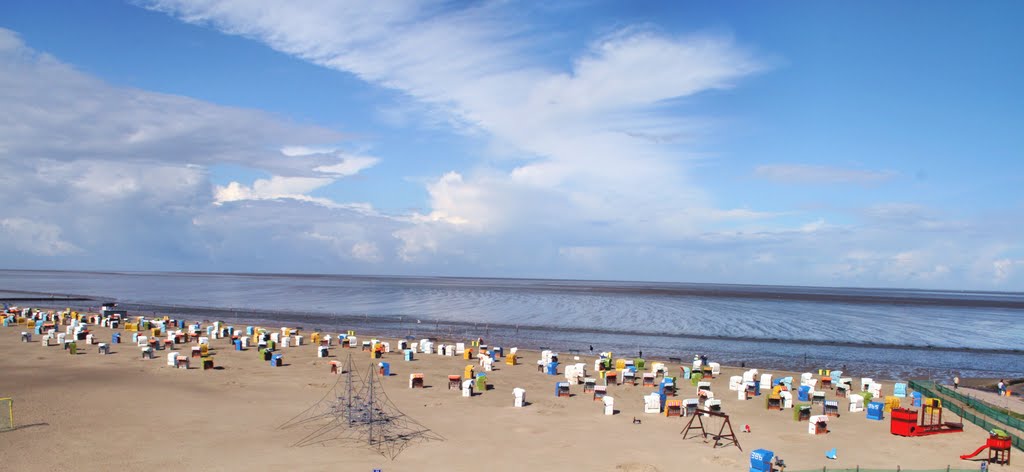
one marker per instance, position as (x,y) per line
(885,333)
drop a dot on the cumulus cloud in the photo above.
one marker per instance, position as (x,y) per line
(116,177)
(815,174)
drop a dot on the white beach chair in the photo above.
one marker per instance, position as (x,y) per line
(766,382)
(787,399)
(736,382)
(520,397)
(856,404)
(609,405)
(652,403)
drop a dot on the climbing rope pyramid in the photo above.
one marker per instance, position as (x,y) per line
(356,410)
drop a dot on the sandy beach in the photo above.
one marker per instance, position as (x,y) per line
(95,412)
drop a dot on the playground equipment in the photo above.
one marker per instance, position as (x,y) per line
(998,445)
(721,438)
(905,421)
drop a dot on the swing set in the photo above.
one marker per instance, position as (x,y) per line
(722,438)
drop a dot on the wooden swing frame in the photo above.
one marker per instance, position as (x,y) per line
(729,438)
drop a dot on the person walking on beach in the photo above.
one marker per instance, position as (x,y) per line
(591,348)
(956,382)
(1002,387)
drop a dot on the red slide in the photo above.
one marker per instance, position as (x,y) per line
(968,456)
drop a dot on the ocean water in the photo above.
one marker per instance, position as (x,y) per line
(879,332)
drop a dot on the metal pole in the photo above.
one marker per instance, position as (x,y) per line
(369,408)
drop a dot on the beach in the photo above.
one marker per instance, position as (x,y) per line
(120,412)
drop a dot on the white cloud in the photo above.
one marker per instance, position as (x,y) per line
(814,174)
(35,237)
(583,130)
(117,177)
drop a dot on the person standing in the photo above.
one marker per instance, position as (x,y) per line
(956,382)
(1002,387)
(591,348)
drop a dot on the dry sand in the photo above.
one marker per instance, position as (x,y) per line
(120,412)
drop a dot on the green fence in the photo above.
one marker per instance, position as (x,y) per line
(982,407)
(861,469)
(928,389)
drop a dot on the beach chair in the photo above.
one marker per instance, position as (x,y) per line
(703,386)
(875,410)
(713,405)
(182,363)
(716,369)
(147,352)
(856,404)
(510,359)
(750,390)
(172,359)
(865,383)
(519,397)
(830,408)
(649,380)
(611,377)
(104,349)
(673,408)
(415,380)
(562,389)
(652,403)
(891,403)
(667,387)
(467,372)
(690,406)
(588,384)
(801,412)
(817,424)
(628,377)
(207,363)
(774,401)
(817,398)
(454,382)
(899,390)
(609,405)
(467,388)
(599,392)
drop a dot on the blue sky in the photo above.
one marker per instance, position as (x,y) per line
(815,143)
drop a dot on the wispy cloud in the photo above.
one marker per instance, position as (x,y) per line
(814,174)
(584,131)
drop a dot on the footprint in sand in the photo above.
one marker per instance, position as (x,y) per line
(636,467)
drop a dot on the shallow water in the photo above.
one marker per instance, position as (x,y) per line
(890,333)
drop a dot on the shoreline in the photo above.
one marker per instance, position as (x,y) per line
(433,328)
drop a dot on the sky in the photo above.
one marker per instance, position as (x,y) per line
(869,144)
